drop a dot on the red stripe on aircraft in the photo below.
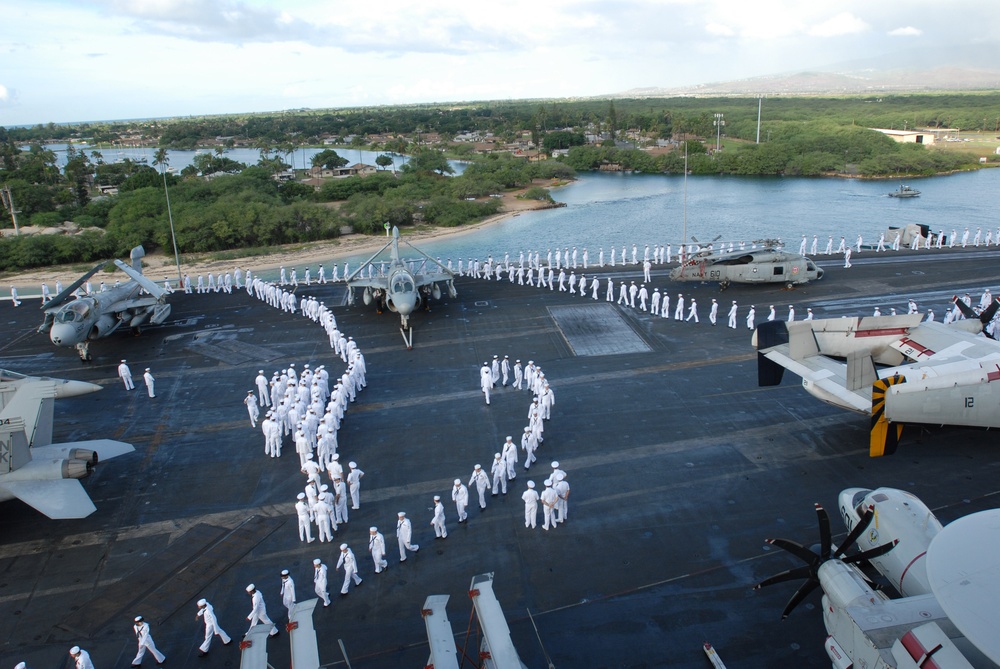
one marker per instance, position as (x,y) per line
(881,332)
(906,341)
(917,651)
(902,576)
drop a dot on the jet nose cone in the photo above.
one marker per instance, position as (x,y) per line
(62,334)
(404,303)
(66,388)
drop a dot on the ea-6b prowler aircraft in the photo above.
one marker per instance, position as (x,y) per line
(930,372)
(33,469)
(762,265)
(396,286)
(76,321)
(947,582)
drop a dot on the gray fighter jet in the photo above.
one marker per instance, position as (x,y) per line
(33,469)
(72,320)
(397,286)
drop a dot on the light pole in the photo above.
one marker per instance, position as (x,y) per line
(718,130)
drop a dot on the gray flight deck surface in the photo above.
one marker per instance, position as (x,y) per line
(680,467)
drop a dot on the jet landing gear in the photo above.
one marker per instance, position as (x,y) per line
(407,332)
(83,350)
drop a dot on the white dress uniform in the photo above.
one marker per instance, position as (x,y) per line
(549,499)
(148,378)
(126,375)
(145,639)
(482,484)
(530,497)
(376,546)
(460,495)
(404,532)
(81,658)
(438,521)
(258,614)
(287,591)
(350,565)
(207,613)
(354,485)
(319,581)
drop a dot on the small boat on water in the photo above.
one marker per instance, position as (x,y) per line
(904,191)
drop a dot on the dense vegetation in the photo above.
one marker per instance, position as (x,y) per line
(243,206)
(245,209)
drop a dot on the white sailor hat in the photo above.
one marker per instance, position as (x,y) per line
(259,371)
(518,360)
(138,619)
(555,464)
(147,369)
(458,481)
(401,514)
(479,467)
(335,456)
(250,588)
(249,392)
(373,529)
(301,495)
(75,650)
(20,665)
(284,573)
(437,498)
(317,561)
(509,438)
(123,359)
(496,455)
(548,482)
(506,356)
(352,465)
(202,602)
(343,547)
(527,428)
(324,487)
(559,476)
(494,356)
(531,484)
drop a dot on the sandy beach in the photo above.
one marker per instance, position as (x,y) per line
(161,263)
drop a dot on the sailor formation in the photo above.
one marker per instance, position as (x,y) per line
(530,268)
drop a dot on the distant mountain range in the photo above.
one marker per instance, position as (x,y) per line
(967,68)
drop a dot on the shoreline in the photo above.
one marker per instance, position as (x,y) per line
(28,283)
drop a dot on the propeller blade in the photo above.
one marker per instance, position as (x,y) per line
(963,307)
(989,312)
(795,549)
(856,532)
(792,574)
(871,553)
(824,532)
(799,595)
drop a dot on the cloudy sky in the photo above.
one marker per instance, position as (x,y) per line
(76,60)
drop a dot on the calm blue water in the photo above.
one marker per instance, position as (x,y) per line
(615,209)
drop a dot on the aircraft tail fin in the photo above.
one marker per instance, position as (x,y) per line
(14,451)
(138,253)
(884,436)
(771,333)
(860,370)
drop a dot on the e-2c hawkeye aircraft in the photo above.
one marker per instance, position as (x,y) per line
(76,321)
(947,582)
(396,287)
(33,469)
(763,265)
(930,372)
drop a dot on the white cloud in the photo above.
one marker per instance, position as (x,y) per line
(907,31)
(4,93)
(844,23)
(719,30)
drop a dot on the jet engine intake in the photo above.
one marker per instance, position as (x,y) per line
(104,326)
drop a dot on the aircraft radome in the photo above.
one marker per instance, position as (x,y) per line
(945,580)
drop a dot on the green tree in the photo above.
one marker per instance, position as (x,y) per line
(328,159)
(383,161)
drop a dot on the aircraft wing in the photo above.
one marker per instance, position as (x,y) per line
(149,286)
(373,282)
(134,303)
(104,448)
(362,281)
(58,499)
(938,342)
(432,277)
(60,299)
